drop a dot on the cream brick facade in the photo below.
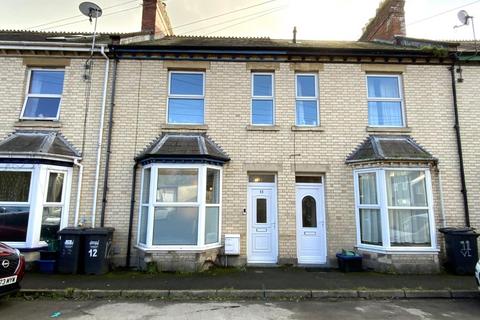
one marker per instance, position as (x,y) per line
(141,111)
(140,116)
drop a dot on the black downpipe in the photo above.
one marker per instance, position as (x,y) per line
(132,209)
(109,145)
(459,146)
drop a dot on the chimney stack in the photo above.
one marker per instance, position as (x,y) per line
(155,18)
(388,22)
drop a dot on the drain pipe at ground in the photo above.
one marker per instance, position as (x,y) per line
(132,211)
(100,134)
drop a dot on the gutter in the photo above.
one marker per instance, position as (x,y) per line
(100,135)
(109,144)
(46,48)
(459,146)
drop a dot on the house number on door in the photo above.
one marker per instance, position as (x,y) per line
(93,253)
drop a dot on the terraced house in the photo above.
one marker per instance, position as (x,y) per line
(203,150)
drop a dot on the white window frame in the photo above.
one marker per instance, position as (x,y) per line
(377,99)
(383,203)
(303,98)
(267,98)
(185,96)
(41,95)
(201,203)
(60,204)
(37,200)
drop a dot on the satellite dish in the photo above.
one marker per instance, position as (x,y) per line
(463,17)
(90,9)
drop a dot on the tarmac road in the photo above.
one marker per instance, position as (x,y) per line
(250,310)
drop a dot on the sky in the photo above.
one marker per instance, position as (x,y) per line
(314,19)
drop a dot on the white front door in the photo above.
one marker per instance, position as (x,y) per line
(311,237)
(262,224)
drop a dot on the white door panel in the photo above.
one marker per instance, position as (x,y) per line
(262,222)
(311,237)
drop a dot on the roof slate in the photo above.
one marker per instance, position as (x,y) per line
(264,43)
(61,36)
(37,143)
(389,148)
(183,145)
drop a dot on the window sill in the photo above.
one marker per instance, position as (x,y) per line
(38,124)
(404,250)
(179,248)
(308,128)
(262,128)
(193,127)
(389,129)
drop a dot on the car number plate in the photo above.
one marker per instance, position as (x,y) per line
(8,280)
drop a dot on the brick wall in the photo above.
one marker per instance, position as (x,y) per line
(140,114)
(142,96)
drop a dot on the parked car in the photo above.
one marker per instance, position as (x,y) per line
(12,269)
(477,274)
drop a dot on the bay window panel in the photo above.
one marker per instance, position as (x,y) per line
(177,185)
(406,188)
(367,187)
(175,226)
(212,215)
(14,223)
(409,227)
(143,225)
(146,185)
(55,187)
(371,226)
(51,218)
(14,186)
(213,186)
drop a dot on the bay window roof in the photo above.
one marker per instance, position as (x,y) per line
(37,144)
(183,147)
(389,148)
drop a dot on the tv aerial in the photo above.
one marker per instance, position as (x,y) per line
(465,19)
(92,11)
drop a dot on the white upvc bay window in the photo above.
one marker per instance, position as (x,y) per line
(33,203)
(180,207)
(394,210)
